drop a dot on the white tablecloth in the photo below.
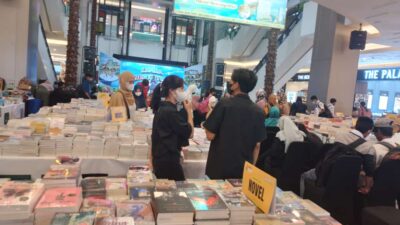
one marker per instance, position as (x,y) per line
(36,166)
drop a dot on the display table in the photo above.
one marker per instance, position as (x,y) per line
(36,166)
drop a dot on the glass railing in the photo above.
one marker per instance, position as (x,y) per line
(294,18)
(47,46)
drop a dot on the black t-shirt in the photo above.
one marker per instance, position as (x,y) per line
(170,130)
(238,124)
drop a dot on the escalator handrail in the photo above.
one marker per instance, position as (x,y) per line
(281,38)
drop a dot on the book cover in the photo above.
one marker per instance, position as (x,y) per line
(61,174)
(171,202)
(213,184)
(165,184)
(93,183)
(234,198)
(140,210)
(116,184)
(141,192)
(115,221)
(61,197)
(206,199)
(82,218)
(185,185)
(237,183)
(19,193)
(61,219)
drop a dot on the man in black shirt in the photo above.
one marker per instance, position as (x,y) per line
(235,129)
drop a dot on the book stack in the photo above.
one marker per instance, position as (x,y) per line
(125,129)
(241,209)
(140,177)
(115,221)
(209,207)
(70,130)
(111,129)
(94,114)
(28,146)
(125,150)
(96,146)
(98,126)
(172,207)
(116,188)
(165,185)
(57,200)
(61,178)
(47,146)
(139,209)
(94,187)
(111,147)
(17,201)
(102,207)
(64,145)
(211,184)
(80,145)
(141,149)
(84,127)
(74,218)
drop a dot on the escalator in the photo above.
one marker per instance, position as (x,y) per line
(46,69)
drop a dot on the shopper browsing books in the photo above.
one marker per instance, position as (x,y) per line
(170,130)
(235,129)
(124,96)
(383,131)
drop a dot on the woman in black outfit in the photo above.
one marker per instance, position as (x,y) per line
(170,130)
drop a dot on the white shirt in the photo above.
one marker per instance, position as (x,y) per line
(396,138)
(381,150)
(348,138)
(319,107)
(331,108)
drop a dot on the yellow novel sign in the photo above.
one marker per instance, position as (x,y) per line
(258,186)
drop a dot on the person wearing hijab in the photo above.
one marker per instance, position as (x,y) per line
(261,100)
(273,113)
(124,96)
(289,132)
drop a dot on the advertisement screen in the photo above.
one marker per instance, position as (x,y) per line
(152,72)
(383,100)
(108,72)
(396,108)
(266,13)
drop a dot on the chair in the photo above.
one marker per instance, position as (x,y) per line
(296,162)
(341,189)
(94,175)
(24,177)
(386,187)
(338,197)
(381,215)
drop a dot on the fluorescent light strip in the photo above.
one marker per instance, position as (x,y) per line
(138,7)
(242,64)
(56,42)
(55,54)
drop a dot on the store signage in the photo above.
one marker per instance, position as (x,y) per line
(258,186)
(379,74)
(301,77)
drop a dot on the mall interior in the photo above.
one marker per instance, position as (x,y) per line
(70,126)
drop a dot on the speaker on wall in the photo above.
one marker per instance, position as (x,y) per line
(220,68)
(358,39)
(90,53)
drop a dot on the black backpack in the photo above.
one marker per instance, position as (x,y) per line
(324,167)
(392,150)
(326,113)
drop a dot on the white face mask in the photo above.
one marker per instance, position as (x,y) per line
(180,96)
(138,93)
(129,86)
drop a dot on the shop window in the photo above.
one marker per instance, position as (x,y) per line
(370,99)
(396,107)
(184,32)
(383,100)
(110,22)
(146,29)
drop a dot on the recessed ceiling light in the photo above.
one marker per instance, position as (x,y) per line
(54,49)
(57,42)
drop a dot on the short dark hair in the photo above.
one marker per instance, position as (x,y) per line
(333,100)
(314,97)
(299,99)
(212,90)
(362,104)
(364,124)
(247,79)
(145,82)
(386,131)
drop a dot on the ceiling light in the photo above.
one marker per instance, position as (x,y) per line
(148,9)
(56,42)
(54,54)
(371,30)
(304,70)
(243,64)
(379,65)
(373,46)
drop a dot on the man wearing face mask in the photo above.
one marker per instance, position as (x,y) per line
(124,96)
(235,129)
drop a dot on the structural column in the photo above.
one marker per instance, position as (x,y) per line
(334,66)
